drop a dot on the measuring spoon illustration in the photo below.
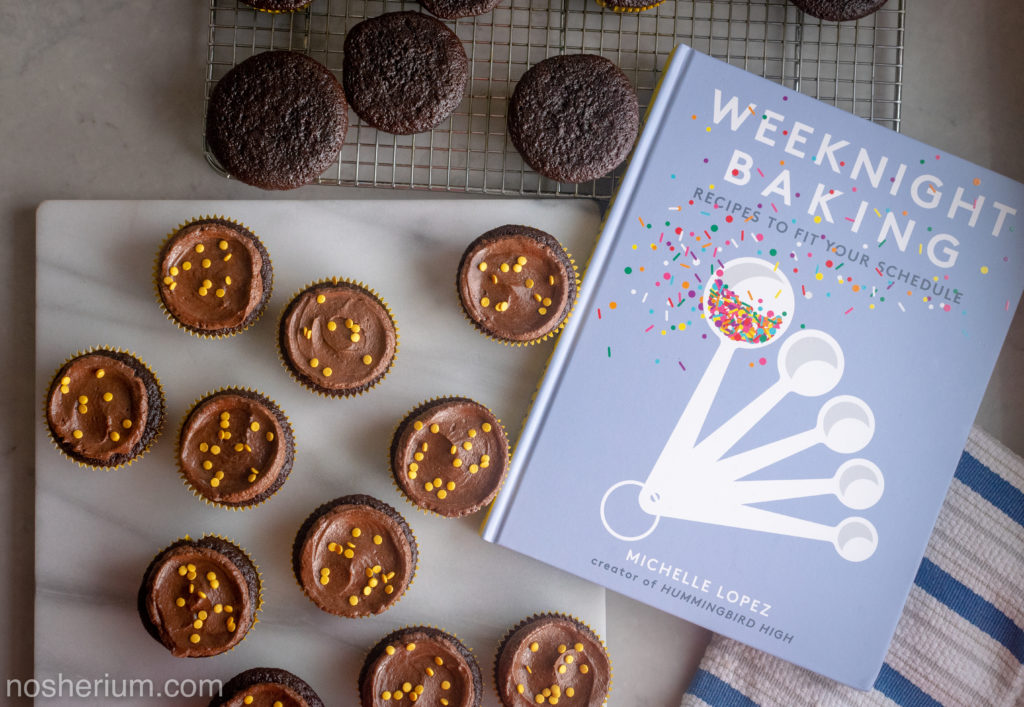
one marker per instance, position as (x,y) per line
(854,538)
(748,305)
(845,425)
(810,364)
(858,484)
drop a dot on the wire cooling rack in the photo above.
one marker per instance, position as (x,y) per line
(857,66)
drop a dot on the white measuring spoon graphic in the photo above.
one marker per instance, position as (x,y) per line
(810,364)
(845,425)
(858,484)
(756,283)
(854,538)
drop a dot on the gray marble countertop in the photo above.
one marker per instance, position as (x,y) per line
(103,100)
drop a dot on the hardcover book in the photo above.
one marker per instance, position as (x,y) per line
(781,342)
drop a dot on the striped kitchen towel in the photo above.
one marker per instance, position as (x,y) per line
(960,640)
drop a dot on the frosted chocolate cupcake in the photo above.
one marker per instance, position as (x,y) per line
(104,408)
(354,556)
(420,663)
(549,658)
(200,597)
(267,687)
(337,338)
(236,448)
(517,284)
(449,456)
(214,277)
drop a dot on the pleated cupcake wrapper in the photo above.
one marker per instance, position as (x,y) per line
(142,452)
(181,427)
(412,577)
(387,639)
(259,580)
(615,8)
(301,380)
(551,334)
(420,406)
(545,615)
(158,278)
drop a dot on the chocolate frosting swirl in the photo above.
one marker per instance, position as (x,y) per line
(266,694)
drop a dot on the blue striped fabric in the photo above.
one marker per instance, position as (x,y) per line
(717,692)
(897,688)
(992,487)
(953,594)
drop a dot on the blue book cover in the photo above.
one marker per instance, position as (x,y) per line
(781,342)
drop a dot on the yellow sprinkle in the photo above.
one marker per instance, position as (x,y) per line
(471,433)
(453,450)
(324,579)
(428,486)
(204,447)
(504,267)
(373,582)
(388,589)
(418,425)
(486,427)
(537,297)
(83,409)
(418,456)
(546,302)
(450,486)
(546,692)
(539,699)
(355,328)
(77,434)
(168,280)
(107,397)
(485,302)
(215,482)
(542,311)
(194,638)
(438,660)
(556,691)
(356,532)
(203,292)
(278,703)
(200,247)
(398,694)
(494,279)
(227,279)
(64,389)
(390,650)
(349,553)
(569,659)
(562,648)
(255,427)
(223,245)
(327,372)
(183,570)
(442,494)
(407,686)
(172,286)
(430,672)
(386,695)
(353,600)
(270,436)
(239,447)
(331,326)
(217,608)
(414,467)
(578,647)
(445,685)
(529,283)
(220,292)
(551,279)
(482,266)
(205,263)
(517,268)
(473,468)
(251,478)
(354,337)
(584,669)
(191,575)
(367,359)
(444,701)
(456,462)
(423,446)
(225,424)
(228,608)
(186,266)
(435,428)
(215,449)
(377,540)
(314,362)
(320,299)
(569,692)
(83,399)
(115,437)
(349,323)
(410,646)
(520,688)
(180,601)
(467,445)
(561,669)
(66,380)
(248,699)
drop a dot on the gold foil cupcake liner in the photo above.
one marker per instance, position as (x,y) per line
(544,615)
(53,386)
(401,596)
(300,379)
(290,431)
(615,8)
(551,334)
(414,627)
(259,580)
(424,404)
(158,276)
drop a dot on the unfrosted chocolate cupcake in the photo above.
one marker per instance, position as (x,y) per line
(629,5)
(278,5)
(236,448)
(214,277)
(337,338)
(199,598)
(552,659)
(517,284)
(573,117)
(104,408)
(277,120)
(404,72)
(420,663)
(266,687)
(839,10)
(449,456)
(454,9)
(354,556)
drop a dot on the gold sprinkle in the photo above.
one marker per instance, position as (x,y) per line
(107,397)
(83,399)
(64,389)
(223,245)
(517,268)
(386,695)
(186,266)
(356,532)
(328,372)
(203,292)
(239,447)
(494,279)
(215,450)
(353,600)
(314,362)
(215,482)
(537,297)
(539,699)
(534,647)
(473,468)
(569,659)
(520,688)
(83,409)
(204,447)
(438,660)
(472,433)
(551,279)
(331,326)
(77,434)
(194,638)
(390,650)
(453,450)
(486,427)
(377,540)
(450,486)
(66,380)
(418,425)
(546,301)
(228,608)
(218,608)
(584,669)
(561,669)
(349,323)
(445,685)
(355,328)
(456,462)
(202,595)
(349,553)
(168,280)
(324,579)
(270,436)
(218,475)
(485,302)
(562,648)
(183,570)
(172,286)
(521,260)
(220,292)
(542,311)
(435,428)
(367,359)
(255,427)
(180,601)
(423,446)
(410,646)
(428,486)
(569,692)
(442,494)
(578,647)
(504,267)
(115,436)
(205,262)
(366,591)
(227,279)
(100,372)
(320,299)
(413,466)
(482,266)
(251,478)
(200,247)
(418,456)
(354,337)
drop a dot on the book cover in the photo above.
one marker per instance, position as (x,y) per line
(782,340)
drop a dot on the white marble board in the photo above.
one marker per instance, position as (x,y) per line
(96,531)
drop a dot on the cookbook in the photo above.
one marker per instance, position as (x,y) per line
(781,342)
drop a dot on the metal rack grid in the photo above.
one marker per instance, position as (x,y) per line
(857,66)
